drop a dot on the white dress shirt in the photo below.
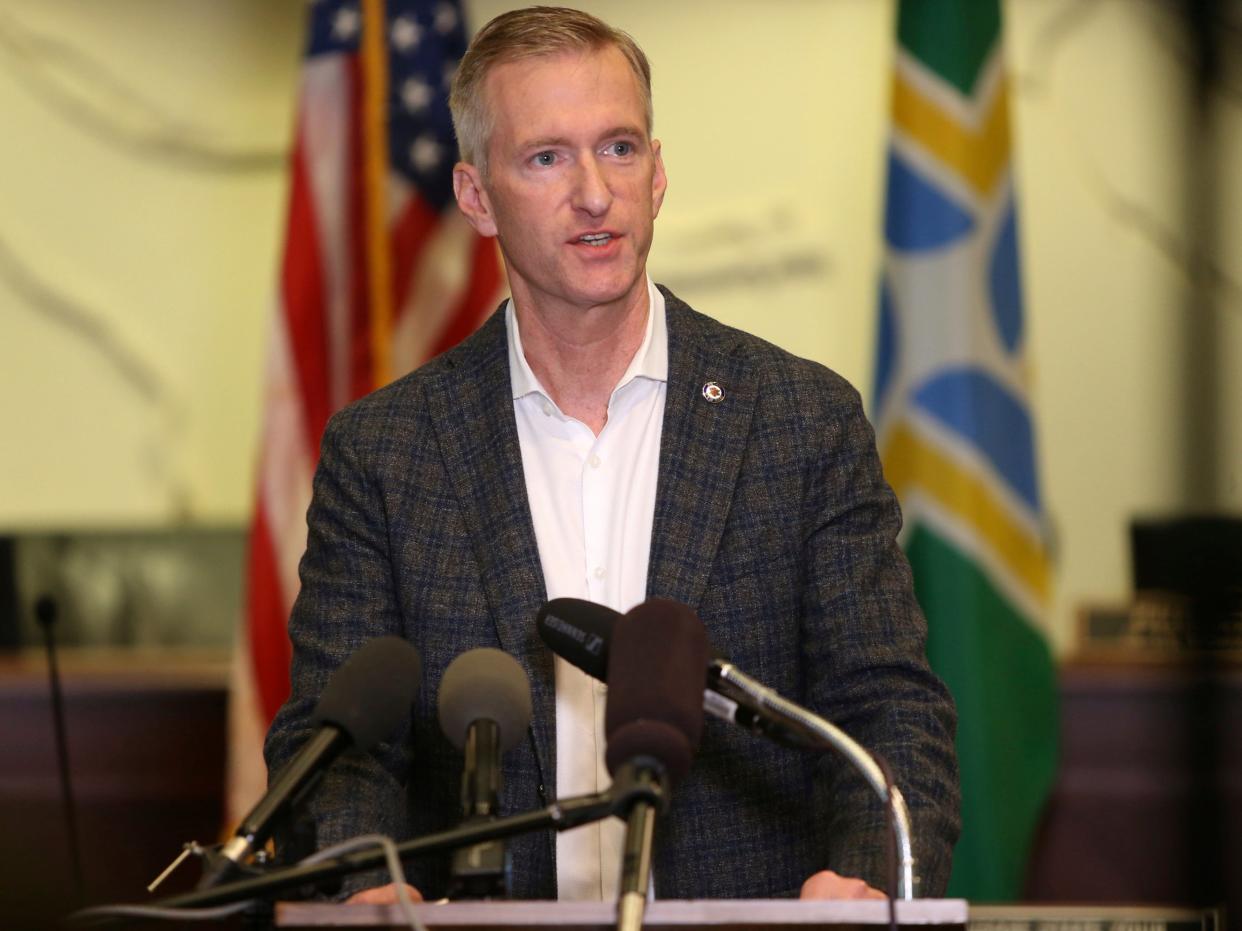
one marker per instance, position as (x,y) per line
(592,500)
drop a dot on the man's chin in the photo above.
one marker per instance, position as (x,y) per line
(610,293)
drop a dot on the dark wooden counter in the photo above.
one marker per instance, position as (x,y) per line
(146,735)
(1149,794)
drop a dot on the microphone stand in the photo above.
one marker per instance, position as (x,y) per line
(628,789)
(480,871)
(294,783)
(735,684)
(639,837)
(45,614)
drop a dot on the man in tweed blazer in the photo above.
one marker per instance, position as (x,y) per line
(771,519)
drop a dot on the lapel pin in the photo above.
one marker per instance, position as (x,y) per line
(713,392)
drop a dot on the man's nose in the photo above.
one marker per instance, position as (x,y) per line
(592,193)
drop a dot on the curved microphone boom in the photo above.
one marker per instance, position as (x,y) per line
(365,701)
(485,709)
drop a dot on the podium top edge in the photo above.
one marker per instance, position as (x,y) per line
(677,915)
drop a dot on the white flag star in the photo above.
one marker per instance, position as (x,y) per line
(405,33)
(346,23)
(446,18)
(416,95)
(425,152)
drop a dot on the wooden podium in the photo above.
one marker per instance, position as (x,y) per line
(681,915)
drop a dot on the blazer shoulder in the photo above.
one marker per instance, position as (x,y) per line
(402,398)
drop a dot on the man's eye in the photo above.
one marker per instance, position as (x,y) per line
(620,148)
(544,159)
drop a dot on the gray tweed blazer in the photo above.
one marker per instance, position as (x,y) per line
(772,520)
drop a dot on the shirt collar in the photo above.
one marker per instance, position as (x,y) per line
(650,361)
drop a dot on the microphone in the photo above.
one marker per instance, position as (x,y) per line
(484,710)
(653,722)
(579,632)
(365,700)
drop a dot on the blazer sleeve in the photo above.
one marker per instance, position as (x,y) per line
(865,655)
(347,597)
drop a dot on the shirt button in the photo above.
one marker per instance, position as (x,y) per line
(594,461)
(600,572)
(547,409)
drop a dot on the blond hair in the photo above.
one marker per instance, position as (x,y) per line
(534,32)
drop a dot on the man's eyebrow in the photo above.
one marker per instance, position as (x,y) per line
(545,142)
(623,131)
(552,142)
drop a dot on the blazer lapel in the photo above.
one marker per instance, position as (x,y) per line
(701,451)
(471,407)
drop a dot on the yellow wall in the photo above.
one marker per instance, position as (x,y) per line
(142,195)
(137,236)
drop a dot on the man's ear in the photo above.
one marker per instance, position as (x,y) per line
(659,180)
(472,200)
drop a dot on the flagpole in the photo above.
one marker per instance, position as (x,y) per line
(375,162)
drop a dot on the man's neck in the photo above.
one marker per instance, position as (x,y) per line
(579,354)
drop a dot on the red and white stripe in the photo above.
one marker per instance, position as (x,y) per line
(446,281)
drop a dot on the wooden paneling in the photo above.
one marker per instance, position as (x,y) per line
(146,745)
(1148,802)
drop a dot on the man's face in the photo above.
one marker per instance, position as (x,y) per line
(573,182)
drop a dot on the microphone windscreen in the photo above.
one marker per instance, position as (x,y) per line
(650,738)
(578,631)
(371,694)
(656,669)
(485,684)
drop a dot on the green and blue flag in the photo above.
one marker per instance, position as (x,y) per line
(955,427)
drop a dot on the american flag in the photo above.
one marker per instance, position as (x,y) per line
(380,272)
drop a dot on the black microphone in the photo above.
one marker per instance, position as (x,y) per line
(365,701)
(580,631)
(484,709)
(653,722)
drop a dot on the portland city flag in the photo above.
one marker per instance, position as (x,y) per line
(955,427)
